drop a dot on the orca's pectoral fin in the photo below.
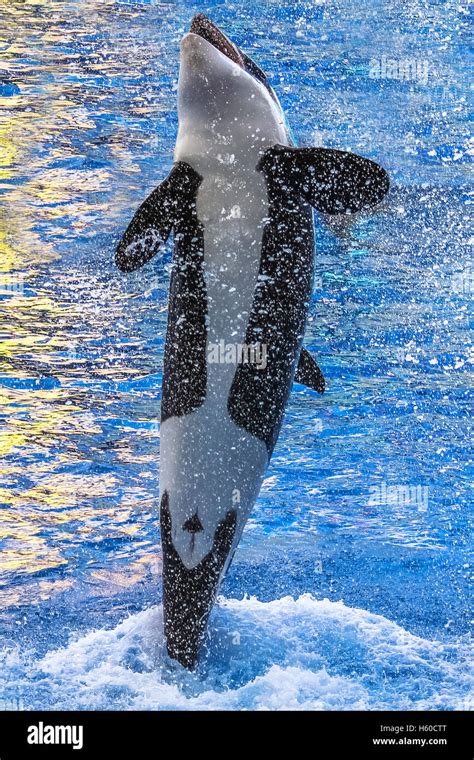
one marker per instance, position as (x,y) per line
(308,373)
(156,217)
(148,230)
(333,181)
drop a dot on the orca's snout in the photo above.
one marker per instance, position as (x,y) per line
(204,27)
(199,20)
(188,594)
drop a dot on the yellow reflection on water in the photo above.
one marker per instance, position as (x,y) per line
(9,441)
(35,590)
(47,514)
(8,256)
(8,151)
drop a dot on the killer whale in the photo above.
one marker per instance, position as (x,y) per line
(238,201)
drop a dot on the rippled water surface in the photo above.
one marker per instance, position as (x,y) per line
(359,594)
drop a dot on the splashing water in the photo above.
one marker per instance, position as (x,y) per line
(356,554)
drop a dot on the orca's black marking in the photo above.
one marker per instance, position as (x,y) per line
(188,595)
(193,525)
(185,366)
(258,397)
(172,206)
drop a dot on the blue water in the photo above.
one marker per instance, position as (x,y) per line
(347,590)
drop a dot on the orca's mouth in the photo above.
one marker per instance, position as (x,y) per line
(204,27)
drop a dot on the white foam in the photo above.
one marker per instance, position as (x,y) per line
(285,654)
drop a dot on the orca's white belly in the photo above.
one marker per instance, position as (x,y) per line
(209,464)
